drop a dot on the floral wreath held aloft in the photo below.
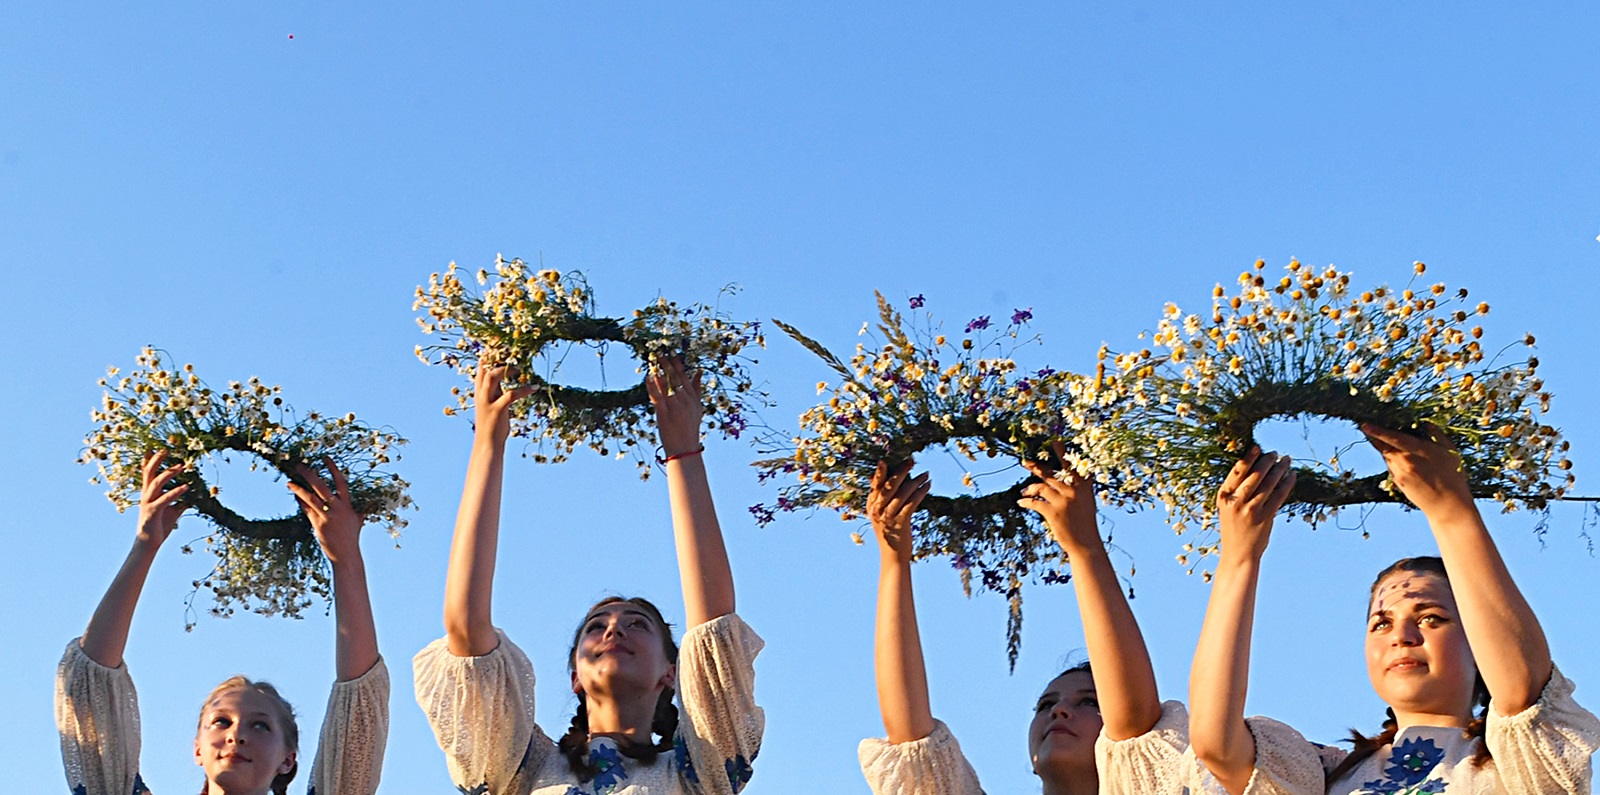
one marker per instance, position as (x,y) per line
(899,399)
(270,566)
(515,322)
(1310,346)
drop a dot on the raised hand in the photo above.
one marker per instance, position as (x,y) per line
(1250,496)
(891,503)
(1426,470)
(1067,505)
(675,394)
(332,516)
(160,503)
(491,411)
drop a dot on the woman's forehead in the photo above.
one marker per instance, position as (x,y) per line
(611,608)
(1070,682)
(1403,587)
(242,700)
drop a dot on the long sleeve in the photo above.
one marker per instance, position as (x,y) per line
(355,731)
(1546,747)
(481,711)
(932,765)
(716,680)
(1153,763)
(97,715)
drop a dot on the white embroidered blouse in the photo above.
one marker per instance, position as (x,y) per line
(1542,750)
(97,714)
(481,710)
(1151,764)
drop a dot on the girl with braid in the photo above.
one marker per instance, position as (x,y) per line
(1475,704)
(1103,730)
(247,741)
(650,717)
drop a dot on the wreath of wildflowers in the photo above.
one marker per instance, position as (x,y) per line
(521,315)
(915,389)
(1308,345)
(271,566)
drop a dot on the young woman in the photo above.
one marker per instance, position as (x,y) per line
(477,687)
(1107,730)
(1442,636)
(247,742)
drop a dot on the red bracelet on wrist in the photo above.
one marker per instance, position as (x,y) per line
(684,454)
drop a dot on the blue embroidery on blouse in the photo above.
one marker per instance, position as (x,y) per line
(738,772)
(680,758)
(481,789)
(1410,764)
(608,762)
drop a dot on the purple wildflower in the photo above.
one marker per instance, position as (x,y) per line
(764,515)
(1021,316)
(917,301)
(977,324)
(1045,372)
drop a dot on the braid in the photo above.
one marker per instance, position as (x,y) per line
(666,720)
(1475,729)
(574,745)
(1365,746)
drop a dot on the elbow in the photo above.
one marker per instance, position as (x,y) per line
(1232,763)
(468,638)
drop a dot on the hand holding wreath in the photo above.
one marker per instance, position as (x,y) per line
(1426,469)
(1065,500)
(891,503)
(160,502)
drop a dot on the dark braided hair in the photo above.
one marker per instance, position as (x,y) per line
(1365,746)
(574,745)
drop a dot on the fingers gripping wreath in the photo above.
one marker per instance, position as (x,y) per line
(269,565)
(521,318)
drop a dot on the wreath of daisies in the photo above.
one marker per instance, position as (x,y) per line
(916,390)
(271,566)
(1308,345)
(520,316)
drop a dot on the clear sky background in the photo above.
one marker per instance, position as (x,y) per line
(190,176)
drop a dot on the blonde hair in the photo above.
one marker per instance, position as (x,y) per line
(285,711)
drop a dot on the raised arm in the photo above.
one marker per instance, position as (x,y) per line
(160,504)
(1251,494)
(338,529)
(702,558)
(902,677)
(468,627)
(1124,682)
(1507,641)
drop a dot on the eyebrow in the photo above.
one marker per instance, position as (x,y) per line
(624,611)
(1387,612)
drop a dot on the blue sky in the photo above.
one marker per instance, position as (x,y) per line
(189,176)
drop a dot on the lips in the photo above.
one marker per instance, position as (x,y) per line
(1407,665)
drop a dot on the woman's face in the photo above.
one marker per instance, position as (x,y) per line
(620,650)
(241,744)
(1066,721)
(1417,653)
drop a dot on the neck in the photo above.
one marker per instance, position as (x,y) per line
(1407,718)
(1071,782)
(213,788)
(626,717)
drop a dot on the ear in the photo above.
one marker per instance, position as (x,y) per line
(197,759)
(670,678)
(576,688)
(288,764)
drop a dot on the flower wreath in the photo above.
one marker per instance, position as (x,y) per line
(1308,345)
(516,320)
(898,399)
(271,566)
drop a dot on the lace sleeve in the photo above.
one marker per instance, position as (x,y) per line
(716,678)
(354,733)
(1546,747)
(1286,763)
(481,711)
(932,765)
(97,714)
(1152,763)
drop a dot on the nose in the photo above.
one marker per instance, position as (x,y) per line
(1061,710)
(1408,635)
